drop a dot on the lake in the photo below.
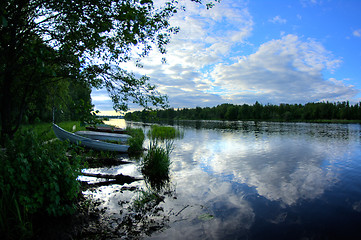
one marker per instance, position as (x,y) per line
(247,180)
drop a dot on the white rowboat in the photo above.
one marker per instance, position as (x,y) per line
(103,136)
(87,142)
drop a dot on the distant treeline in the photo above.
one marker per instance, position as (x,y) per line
(257,111)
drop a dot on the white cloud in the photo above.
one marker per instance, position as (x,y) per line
(205,38)
(306,3)
(283,70)
(102,97)
(285,178)
(278,19)
(357,33)
(205,66)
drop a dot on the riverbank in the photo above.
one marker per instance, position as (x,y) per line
(41,197)
(88,221)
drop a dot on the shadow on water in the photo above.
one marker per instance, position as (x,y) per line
(134,210)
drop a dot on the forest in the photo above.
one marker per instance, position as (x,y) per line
(283,112)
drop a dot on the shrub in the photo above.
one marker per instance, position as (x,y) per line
(36,178)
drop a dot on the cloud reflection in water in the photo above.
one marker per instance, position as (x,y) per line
(280,168)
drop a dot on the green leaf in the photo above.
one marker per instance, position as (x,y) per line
(4,22)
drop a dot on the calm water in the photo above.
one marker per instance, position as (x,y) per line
(246,180)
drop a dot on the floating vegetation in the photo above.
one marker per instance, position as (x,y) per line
(142,217)
(146,198)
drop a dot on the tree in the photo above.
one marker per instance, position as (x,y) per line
(232,113)
(89,39)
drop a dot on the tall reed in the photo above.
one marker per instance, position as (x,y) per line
(137,139)
(156,163)
(162,133)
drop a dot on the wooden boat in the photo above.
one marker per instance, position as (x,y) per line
(103,136)
(106,129)
(87,142)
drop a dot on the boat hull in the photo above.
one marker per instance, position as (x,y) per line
(107,129)
(103,136)
(88,142)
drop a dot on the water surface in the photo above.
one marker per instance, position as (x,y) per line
(248,180)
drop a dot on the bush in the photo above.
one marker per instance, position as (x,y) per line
(36,178)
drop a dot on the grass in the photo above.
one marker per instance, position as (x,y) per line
(155,164)
(137,139)
(145,198)
(46,132)
(164,132)
(14,220)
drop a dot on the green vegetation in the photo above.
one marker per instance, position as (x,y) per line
(163,133)
(45,131)
(155,164)
(145,198)
(323,111)
(56,63)
(35,179)
(51,56)
(136,141)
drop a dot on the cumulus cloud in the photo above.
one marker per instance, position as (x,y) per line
(101,100)
(295,175)
(205,38)
(283,70)
(278,19)
(205,65)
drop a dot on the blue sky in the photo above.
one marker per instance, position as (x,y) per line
(277,51)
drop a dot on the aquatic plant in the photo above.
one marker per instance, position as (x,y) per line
(143,216)
(164,132)
(137,139)
(145,198)
(155,164)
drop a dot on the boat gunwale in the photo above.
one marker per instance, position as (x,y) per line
(88,142)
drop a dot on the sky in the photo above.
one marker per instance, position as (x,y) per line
(270,51)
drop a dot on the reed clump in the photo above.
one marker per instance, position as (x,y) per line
(155,164)
(137,139)
(162,133)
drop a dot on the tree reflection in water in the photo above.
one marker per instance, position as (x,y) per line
(144,214)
